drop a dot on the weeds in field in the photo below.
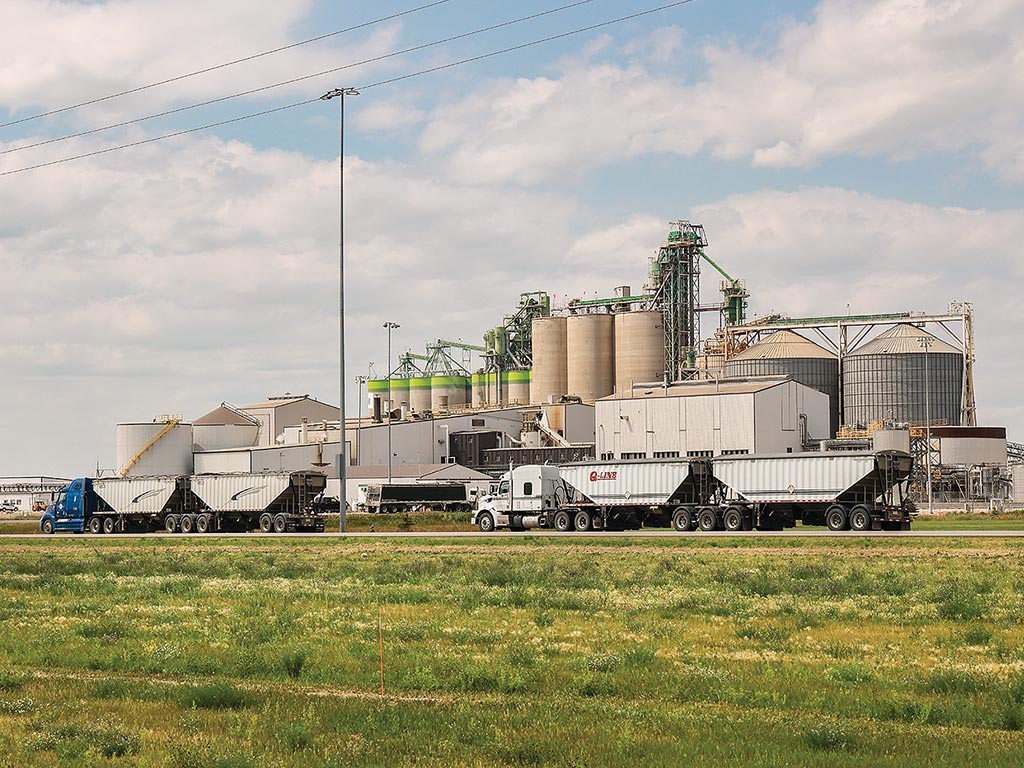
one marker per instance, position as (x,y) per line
(214,696)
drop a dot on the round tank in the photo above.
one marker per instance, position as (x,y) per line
(218,437)
(516,387)
(785,353)
(448,392)
(170,455)
(550,374)
(478,385)
(399,394)
(590,341)
(377,388)
(419,394)
(891,440)
(885,379)
(639,349)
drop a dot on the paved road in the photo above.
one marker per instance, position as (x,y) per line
(659,534)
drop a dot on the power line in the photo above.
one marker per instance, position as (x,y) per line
(372,60)
(225,64)
(450,65)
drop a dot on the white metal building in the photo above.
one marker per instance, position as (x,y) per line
(276,413)
(18,495)
(711,418)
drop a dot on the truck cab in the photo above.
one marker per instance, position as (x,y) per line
(70,510)
(525,497)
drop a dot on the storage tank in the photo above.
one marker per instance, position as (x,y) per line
(378,388)
(885,379)
(786,353)
(399,394)
(448,392)
(419,394)
(550,374)
(639,349)
(516,387)
(891,440)
(478,385)
(590,340)
(219,437)
(171,454)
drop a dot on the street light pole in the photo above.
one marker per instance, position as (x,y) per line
(340,94)
(391,406)
(926,343)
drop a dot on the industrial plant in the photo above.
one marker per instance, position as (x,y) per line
(627,377)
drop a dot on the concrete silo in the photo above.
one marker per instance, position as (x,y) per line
(639,349)
(550,374)
(885,379)
(590,369)
(786,353)
(420,398)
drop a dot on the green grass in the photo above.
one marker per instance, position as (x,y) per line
(509,652)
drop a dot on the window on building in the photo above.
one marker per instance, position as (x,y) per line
(700,454)
(634,455)
(478,422)
(736,452)
(666,454)
(609,456)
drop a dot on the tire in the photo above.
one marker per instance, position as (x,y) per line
(266,523)
(836,519)
(485,523)
(203,524)
(280,523)
(860,518)
(109,524)
(48,527)
(95,525)
(732,520)
(682,519)
(581,521)
(707,520)
(170,524)
(188,524)
(562,521)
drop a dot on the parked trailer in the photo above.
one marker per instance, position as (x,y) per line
(862,491)
(444,497)
(595,495)
(270,501)
(843,490)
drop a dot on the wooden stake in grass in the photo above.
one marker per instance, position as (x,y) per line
(380,634)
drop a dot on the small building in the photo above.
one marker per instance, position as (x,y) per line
(22,495)
(712,418)
(276,413)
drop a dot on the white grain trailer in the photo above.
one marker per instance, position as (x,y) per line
(843,490)
(138,503)
(270,501)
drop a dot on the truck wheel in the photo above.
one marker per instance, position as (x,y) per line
(582,521)
(732,520)
(188,523)
(95,525)
(860,518)
(203,523)
(682,519)
(266,523)
(280,523)
(48,526)
(562,521)
(835,518)
(707,520)
(108,524)
(486,523)
(171,523)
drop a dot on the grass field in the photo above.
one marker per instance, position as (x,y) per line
(501,651)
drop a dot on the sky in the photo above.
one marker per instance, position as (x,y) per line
(843,155)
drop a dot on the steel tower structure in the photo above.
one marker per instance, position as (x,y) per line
(675,285)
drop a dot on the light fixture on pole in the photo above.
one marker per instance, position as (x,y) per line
(340,94)
(390,326)
(926,342)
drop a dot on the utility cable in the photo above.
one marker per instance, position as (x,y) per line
(226,64)
(294,80)
(365,87)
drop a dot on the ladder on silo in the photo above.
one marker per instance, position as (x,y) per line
(171,424)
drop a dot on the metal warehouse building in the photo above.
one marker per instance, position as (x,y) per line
(711,418)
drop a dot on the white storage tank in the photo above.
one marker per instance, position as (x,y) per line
(639,349)
(419,394)
(550,374)
(158,447)
(590,340)
(516,387)
(478,384)
(891,440)
(448,392)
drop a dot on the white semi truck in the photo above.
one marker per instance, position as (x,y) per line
(843,490)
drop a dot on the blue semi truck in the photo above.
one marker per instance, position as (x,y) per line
(273,502)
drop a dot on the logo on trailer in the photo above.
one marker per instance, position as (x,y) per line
(595,476)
